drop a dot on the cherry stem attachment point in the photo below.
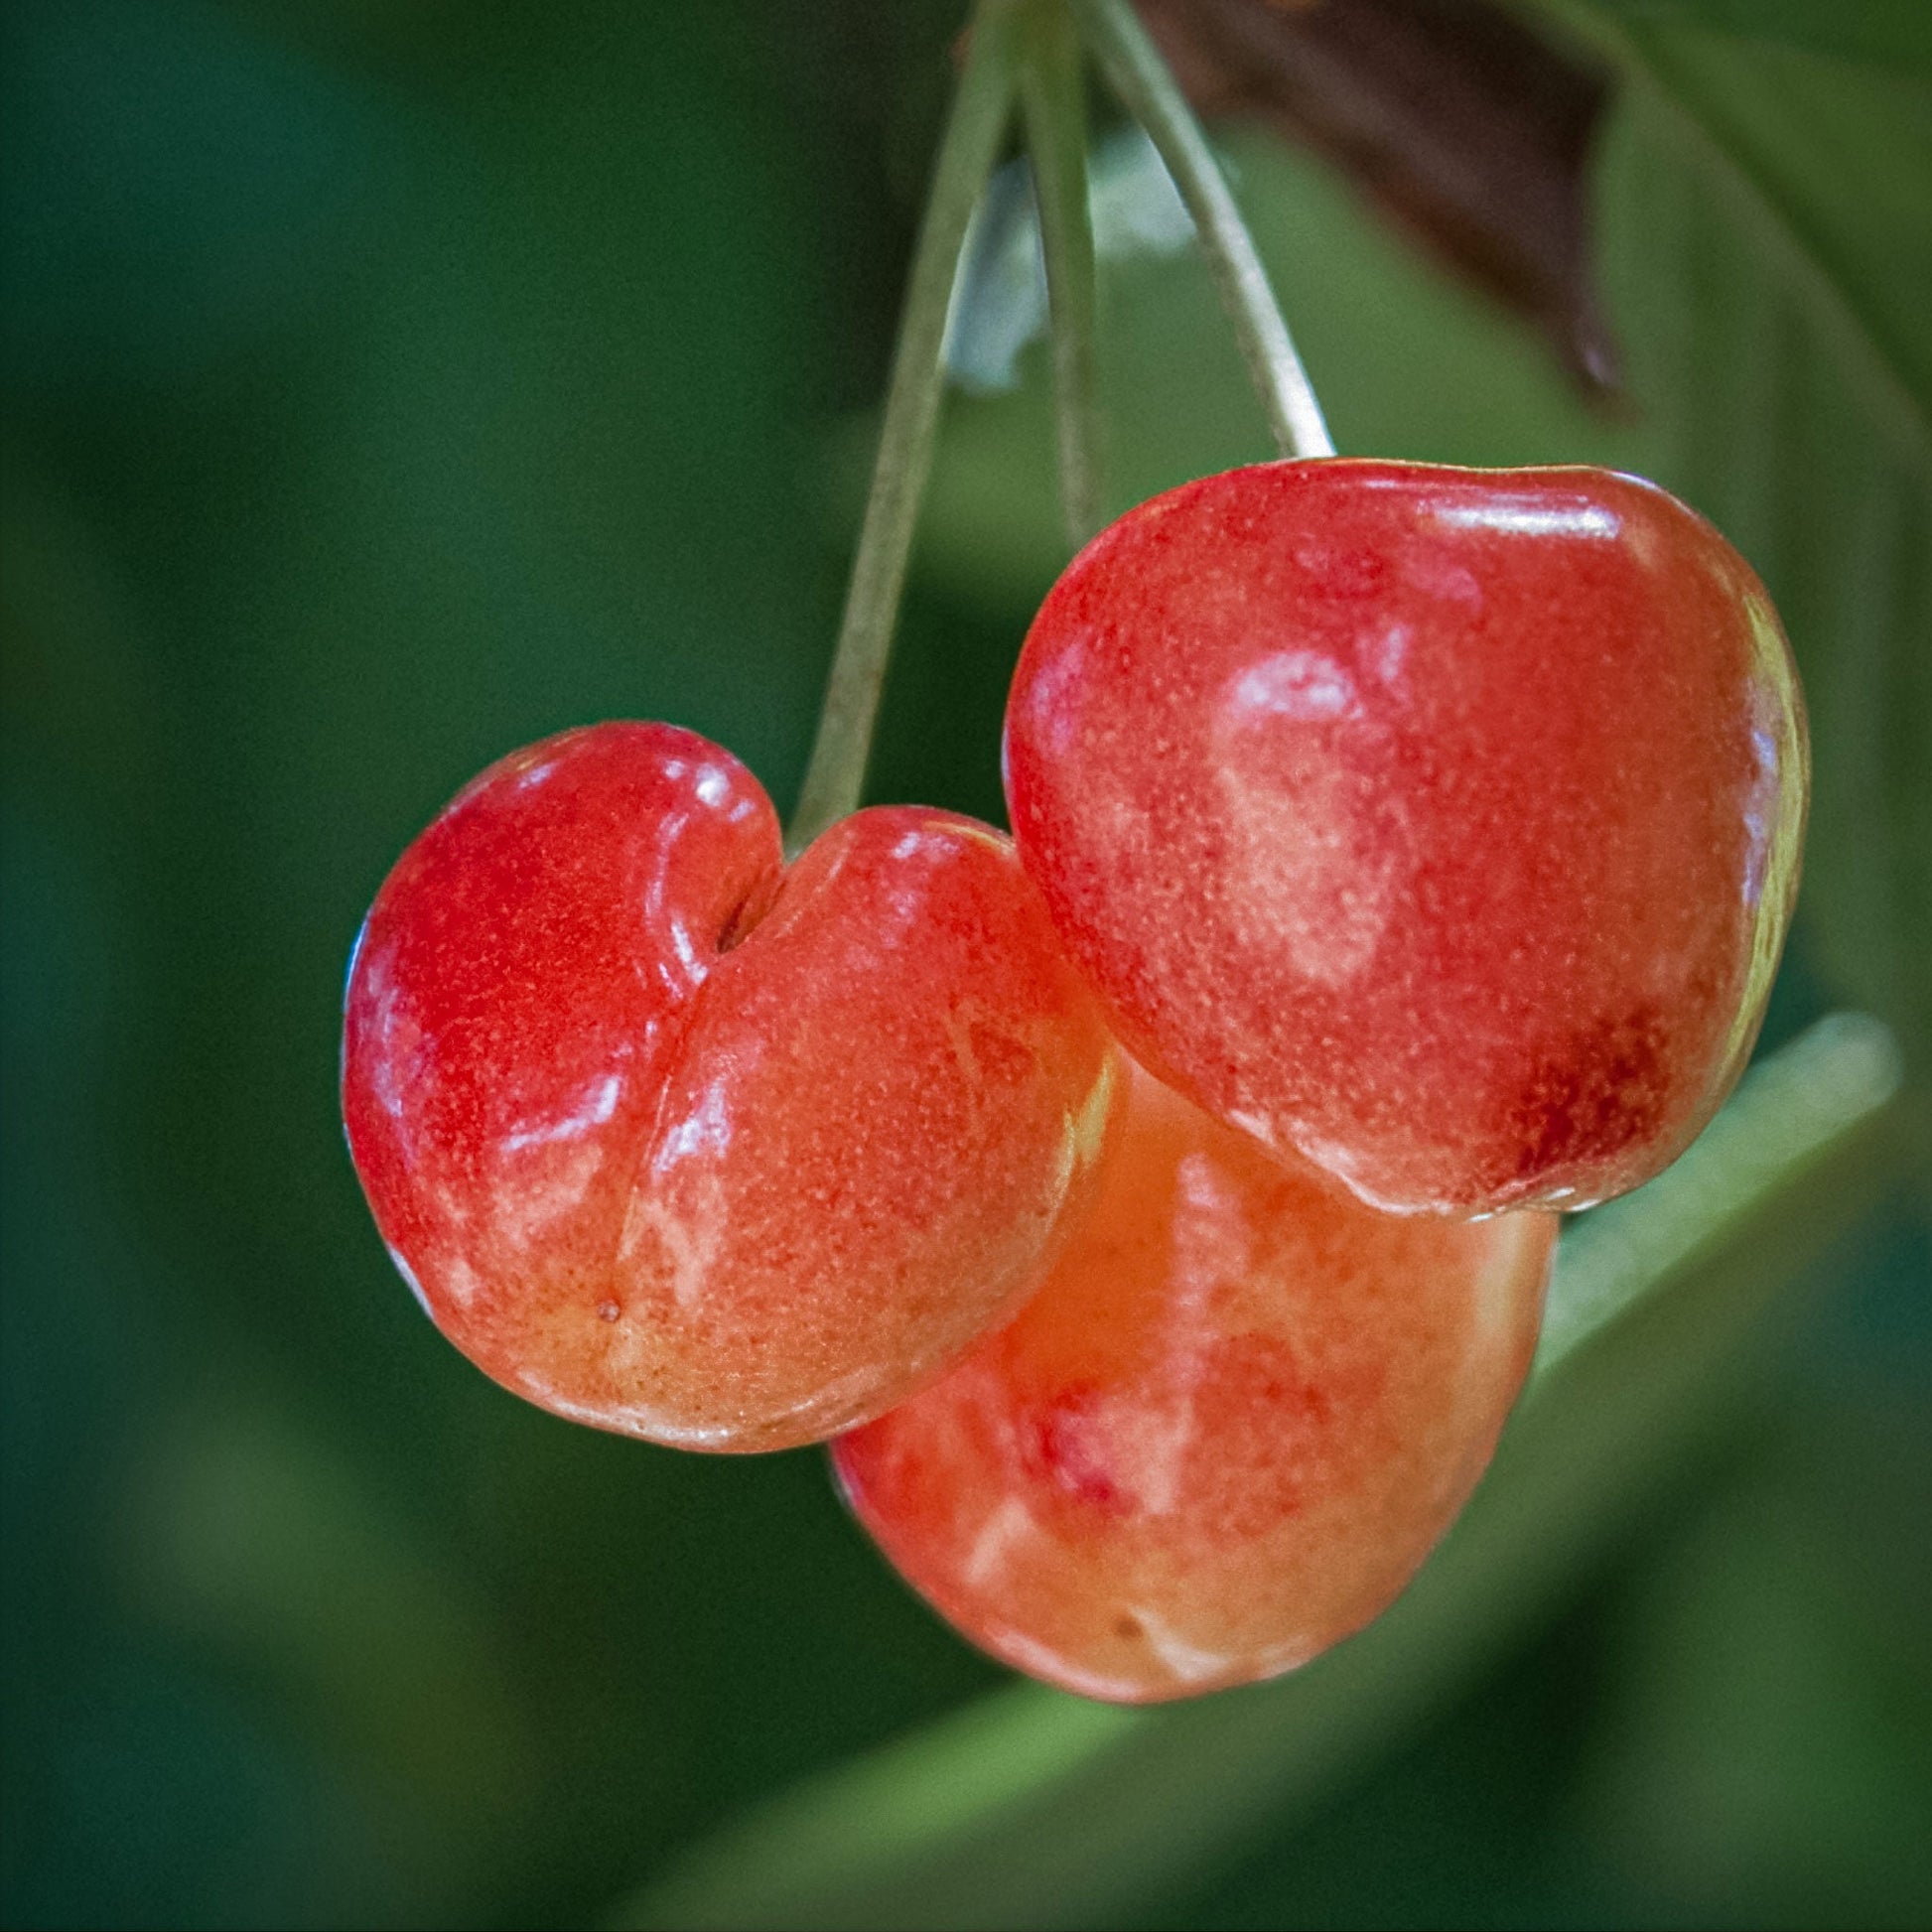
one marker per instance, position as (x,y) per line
(980,110)
(1148,91)
(1052,101)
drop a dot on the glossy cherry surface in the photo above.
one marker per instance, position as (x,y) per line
(1225,1432)
(1441,825)
(676,1140)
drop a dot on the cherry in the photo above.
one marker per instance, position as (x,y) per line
(1440,825)
(1226,1432)
(675,1141)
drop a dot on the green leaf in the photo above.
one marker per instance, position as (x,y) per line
(1766,244)
(1895,32)
(1762,1758)
(1035,1809)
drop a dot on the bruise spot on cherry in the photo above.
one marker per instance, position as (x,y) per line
(1605,1088)
(1063,1445)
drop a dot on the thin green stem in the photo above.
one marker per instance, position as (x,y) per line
(980,110)
(1148,91)
(1053,99)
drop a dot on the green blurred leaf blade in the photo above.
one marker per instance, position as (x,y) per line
(1033,1809)
(1896,33)
(1766,242)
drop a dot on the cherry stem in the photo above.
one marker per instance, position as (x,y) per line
(980,110)
(1052,100)
(1150,93)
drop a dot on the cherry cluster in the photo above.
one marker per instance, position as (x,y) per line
(1155,1207)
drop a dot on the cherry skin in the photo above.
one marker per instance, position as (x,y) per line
(1226,1432)
(1440,825)
(678,1142)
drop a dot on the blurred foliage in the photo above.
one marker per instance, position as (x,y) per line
(387,387)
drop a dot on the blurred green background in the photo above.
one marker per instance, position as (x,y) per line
(388,386)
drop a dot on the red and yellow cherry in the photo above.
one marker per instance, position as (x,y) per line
(1226,1432)
(1440,825)
(676,1140)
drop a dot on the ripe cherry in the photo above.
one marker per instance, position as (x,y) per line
(1441,825)
(1225,1432)
(675,1141)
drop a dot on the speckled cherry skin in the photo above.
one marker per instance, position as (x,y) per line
(1226,1432)
(677,1141)
(1441,825)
